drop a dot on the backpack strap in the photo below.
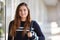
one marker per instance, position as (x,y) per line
(33,33)
(31,25)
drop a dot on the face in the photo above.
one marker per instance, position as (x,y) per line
(23,11)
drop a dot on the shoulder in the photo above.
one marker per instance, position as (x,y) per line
(11,22)
(34,22)
(36,25)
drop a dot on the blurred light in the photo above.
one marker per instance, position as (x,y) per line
(0,24)
(54,28)
(54,24)
(56,37)
(1,0)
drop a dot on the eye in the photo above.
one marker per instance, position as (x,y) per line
(24,9)
(20,10)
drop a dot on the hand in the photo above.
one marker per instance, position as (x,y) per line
(29,34)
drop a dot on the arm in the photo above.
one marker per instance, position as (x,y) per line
(38,31)
(9,36)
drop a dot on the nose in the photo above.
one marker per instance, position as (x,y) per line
(22,12)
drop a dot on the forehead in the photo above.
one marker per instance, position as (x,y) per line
(23,7)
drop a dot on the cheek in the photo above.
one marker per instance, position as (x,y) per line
(26,13)
(20,14)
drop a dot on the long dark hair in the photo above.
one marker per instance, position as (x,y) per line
(17,20)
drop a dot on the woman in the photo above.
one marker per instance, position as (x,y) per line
(19,28)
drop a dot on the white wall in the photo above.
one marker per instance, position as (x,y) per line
(52,13)
(58,13)
(8,13)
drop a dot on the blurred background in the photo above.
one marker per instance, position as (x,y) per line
(45,12)
(2,20)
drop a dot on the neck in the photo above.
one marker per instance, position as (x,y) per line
(23,19)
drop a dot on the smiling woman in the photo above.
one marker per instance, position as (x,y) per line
(45,12)
(19,28)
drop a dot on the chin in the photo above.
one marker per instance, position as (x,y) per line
(23,16)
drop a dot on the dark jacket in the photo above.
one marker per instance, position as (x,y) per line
(18,36)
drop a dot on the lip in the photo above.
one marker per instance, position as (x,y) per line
(23,14)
